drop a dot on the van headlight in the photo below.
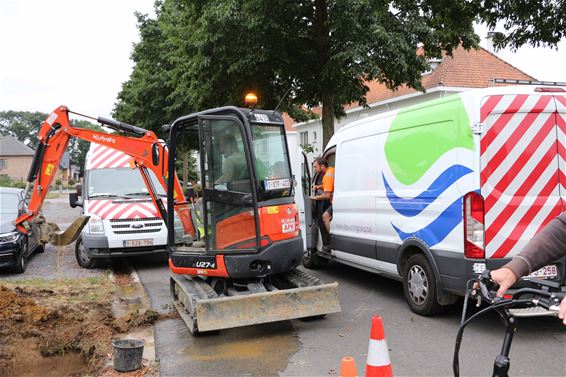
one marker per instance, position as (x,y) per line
(8,237)
(95,225)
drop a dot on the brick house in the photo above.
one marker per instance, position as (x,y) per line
(15,158)
(463,71)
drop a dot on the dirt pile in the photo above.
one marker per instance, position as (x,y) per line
(53,331)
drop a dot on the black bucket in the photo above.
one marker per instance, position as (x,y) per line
(127,354)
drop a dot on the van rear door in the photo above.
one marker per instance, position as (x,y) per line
(561,129)
(522,171)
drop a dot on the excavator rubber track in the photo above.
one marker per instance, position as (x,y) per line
(291,295)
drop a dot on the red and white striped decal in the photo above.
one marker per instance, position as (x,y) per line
(108,209)
(522,168)
(561,131)
(101,156)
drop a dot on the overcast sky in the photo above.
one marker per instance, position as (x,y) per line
(77,53)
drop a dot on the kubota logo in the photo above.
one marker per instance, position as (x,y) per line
(104,139)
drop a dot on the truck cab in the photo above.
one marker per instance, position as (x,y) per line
(123,220)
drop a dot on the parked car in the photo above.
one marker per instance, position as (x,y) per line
(15,247)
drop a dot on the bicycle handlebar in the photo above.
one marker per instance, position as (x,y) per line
(543,296)
(486,289)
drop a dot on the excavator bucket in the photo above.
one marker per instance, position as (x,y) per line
(204,310)
(50,232)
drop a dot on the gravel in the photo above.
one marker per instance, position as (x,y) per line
(56,262)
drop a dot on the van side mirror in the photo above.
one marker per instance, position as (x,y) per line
(74,200)
(79,190)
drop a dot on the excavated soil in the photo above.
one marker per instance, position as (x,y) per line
(52,332)
(61,329)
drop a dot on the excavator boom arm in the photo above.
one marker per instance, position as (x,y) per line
(147,153)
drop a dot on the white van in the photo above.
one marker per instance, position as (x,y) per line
(123,219)
(435,193)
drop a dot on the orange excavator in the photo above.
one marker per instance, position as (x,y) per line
(146,150)
(244,269)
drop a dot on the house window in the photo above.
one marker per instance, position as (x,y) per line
(314,137)
(3,163)
(304,137)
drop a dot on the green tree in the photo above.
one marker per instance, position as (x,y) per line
(198,54)
(533,22)
(23,125)
(144,99)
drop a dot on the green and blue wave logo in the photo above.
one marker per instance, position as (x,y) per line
(421,150)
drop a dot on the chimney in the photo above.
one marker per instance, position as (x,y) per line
(489,41)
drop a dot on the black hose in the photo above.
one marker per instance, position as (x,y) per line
(466,298)
(497,305)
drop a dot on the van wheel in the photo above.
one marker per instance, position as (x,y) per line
(312,260)
(419,286)
(83,258)
(22,263)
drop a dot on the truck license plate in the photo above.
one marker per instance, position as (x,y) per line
(549,271)
(134,243)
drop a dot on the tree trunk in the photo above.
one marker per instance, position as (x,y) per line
(327,118)
(322,42)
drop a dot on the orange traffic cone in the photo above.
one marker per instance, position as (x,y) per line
(378,363)
(348,367)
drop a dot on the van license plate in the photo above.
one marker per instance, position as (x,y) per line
(549,271)
(134,243)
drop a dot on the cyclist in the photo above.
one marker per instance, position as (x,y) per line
(545,247)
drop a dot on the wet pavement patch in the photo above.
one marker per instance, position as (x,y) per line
(254,351)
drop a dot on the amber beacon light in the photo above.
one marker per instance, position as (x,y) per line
(251,99)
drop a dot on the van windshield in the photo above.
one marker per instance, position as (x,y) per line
(119,182)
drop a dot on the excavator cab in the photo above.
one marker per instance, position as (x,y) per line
(247,205)
(244,269)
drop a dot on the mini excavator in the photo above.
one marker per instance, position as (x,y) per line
(242,269)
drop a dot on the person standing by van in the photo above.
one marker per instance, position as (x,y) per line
(323,198)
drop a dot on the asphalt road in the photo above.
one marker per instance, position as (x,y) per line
(418,346)
(55,262)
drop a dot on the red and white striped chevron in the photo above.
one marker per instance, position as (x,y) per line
(100,156)
(109,209)
(522,168)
